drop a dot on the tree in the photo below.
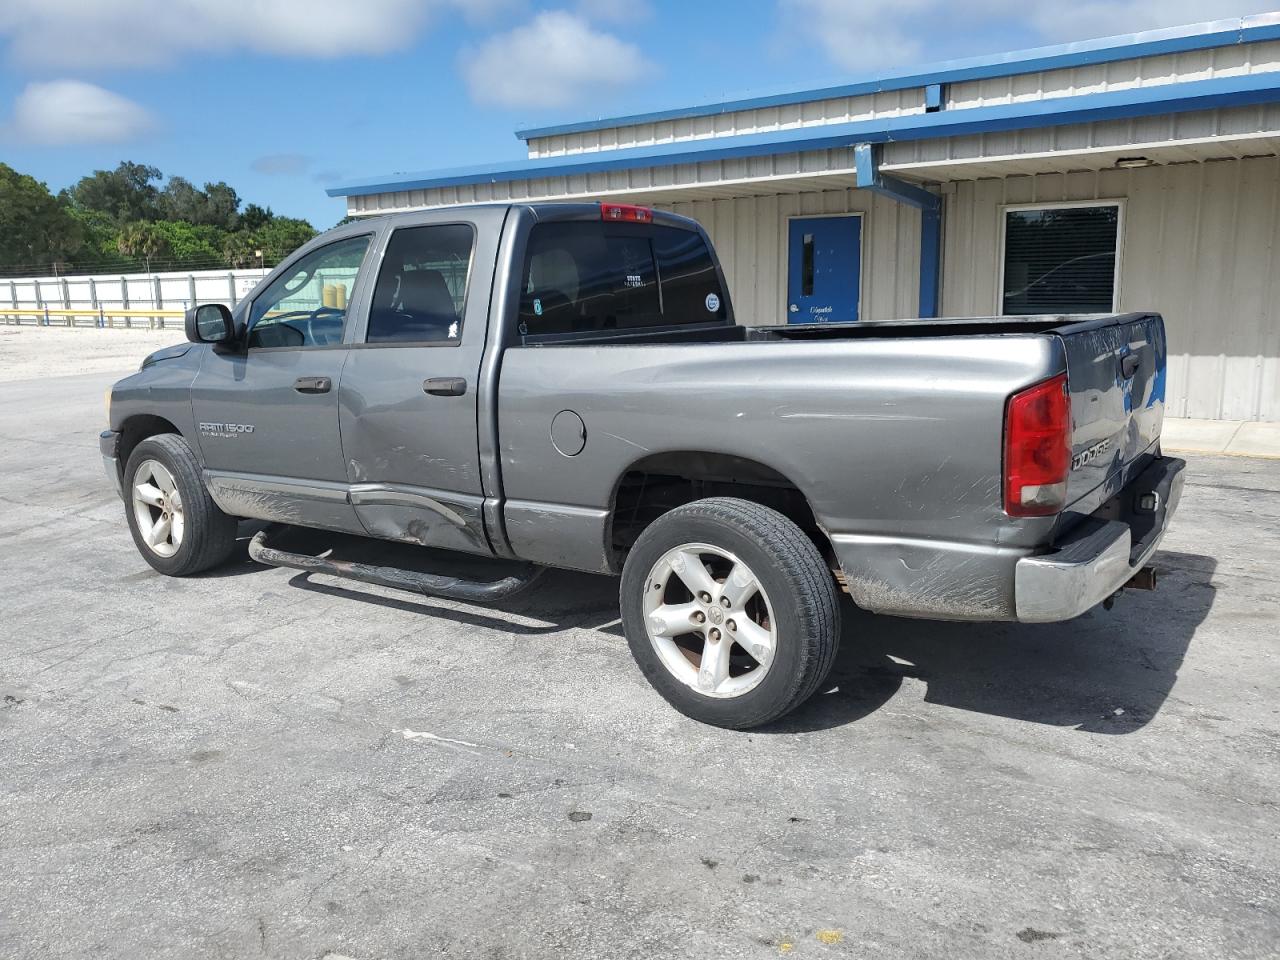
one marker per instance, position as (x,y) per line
(125,194)
(255,217)
(282,236)
(192,246)
(240,250)
(113,216)
(217,205)
(181,200)
(36,228)
(222,206)
(142,239)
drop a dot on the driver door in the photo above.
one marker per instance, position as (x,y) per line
(267,415)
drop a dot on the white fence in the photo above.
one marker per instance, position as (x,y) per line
(112,298)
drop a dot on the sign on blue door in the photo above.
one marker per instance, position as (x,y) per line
(824,256)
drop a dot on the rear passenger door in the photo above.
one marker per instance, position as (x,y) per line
(408,400)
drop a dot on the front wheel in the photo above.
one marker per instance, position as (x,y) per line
(176,526)
(730,612)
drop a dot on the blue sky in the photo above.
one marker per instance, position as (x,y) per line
(282,97)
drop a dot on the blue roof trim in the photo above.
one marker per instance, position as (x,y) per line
(1198,36)
(1114,105)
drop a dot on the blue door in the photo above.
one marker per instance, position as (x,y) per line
(824,255)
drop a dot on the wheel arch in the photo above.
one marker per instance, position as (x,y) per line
(658,482)
(139,427)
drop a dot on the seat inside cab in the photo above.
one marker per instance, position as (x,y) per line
(421,286)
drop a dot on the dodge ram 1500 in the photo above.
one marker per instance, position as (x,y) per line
(565,385)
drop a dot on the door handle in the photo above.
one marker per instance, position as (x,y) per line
(445,386)
(1129,364)
(312,384)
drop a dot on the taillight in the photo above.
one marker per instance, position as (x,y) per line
(1037,449)
(625,211)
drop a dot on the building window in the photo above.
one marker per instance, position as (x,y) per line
(1060,259)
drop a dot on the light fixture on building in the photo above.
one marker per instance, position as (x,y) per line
(1132,163)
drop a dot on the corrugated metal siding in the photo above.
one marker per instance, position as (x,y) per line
(724,177)
(750,236)
(814,113)
(1237,131)
(1233,60)
(1201,245)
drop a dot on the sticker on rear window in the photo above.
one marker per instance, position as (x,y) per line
(713,303)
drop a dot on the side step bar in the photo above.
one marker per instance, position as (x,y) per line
(431,584)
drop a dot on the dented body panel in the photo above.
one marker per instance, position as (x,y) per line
(891,432)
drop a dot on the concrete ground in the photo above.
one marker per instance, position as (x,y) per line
(1241,438)
(258,763)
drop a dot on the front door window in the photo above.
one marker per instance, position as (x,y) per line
(306,306)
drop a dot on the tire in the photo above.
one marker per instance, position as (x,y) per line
(200,536)
(792,610)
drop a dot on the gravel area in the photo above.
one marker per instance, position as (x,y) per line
(32,352)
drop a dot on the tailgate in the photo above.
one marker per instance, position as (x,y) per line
(1116,375)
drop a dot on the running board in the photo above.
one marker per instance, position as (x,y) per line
(431,584)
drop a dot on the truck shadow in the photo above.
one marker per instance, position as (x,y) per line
(1104,672)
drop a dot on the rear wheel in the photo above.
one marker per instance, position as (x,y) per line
(730,612)
(176,526)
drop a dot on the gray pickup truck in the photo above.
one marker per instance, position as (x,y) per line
(564,385)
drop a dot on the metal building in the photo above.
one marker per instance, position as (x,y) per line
(1129,173)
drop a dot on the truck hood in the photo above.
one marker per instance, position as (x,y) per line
(167,353)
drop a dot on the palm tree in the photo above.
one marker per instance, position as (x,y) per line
(142,239)
(240,249)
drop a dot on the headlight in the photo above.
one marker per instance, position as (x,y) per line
(106,399)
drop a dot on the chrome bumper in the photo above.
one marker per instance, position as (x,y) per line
(109,446)
(1100,557)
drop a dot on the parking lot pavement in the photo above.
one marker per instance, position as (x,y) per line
(257,763)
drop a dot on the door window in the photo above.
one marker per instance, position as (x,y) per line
(306,306)
(422,287)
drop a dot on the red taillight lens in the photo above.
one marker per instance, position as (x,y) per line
(625,211)
(1037,449)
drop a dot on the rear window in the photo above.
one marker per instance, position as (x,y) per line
(588,277)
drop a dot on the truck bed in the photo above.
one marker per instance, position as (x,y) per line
(862,330)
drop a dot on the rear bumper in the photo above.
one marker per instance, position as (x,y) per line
(1101,555)
(109,446)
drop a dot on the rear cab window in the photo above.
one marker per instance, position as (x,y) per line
(591,277)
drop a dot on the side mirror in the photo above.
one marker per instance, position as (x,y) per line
(209,323)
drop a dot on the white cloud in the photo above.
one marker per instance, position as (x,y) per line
(552,61)
(69,111)
(869,35)
(131,33)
